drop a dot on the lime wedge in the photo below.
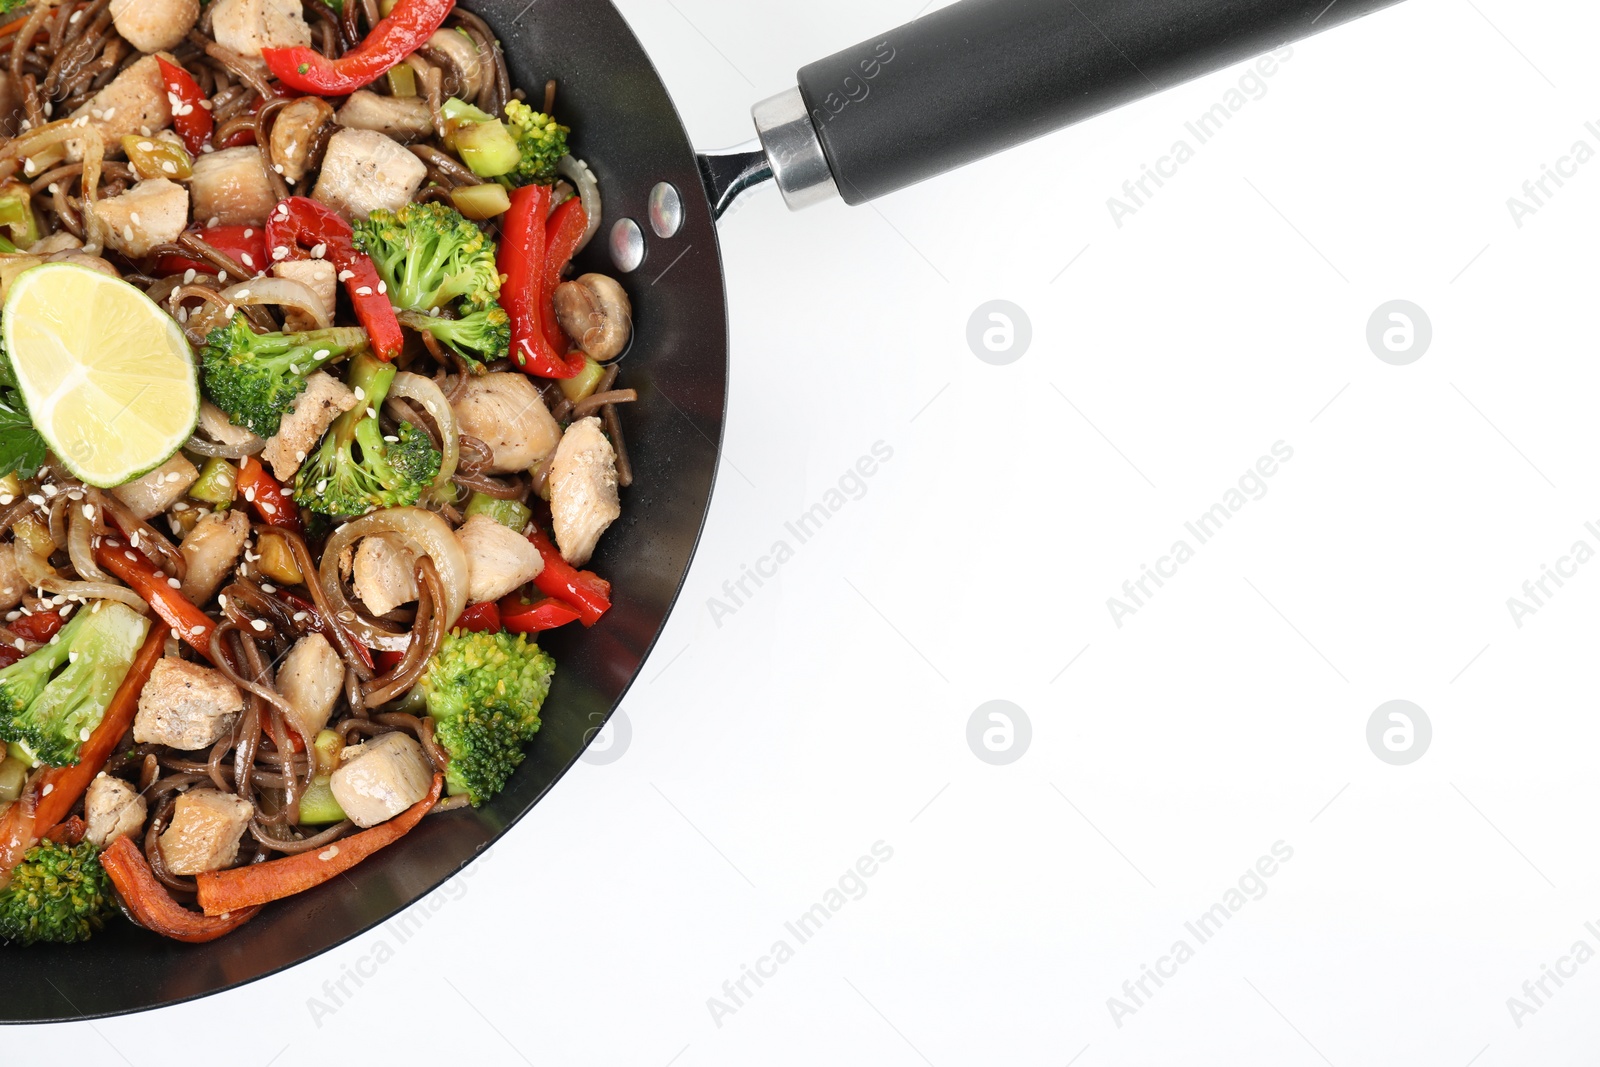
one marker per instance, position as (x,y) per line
(108,376)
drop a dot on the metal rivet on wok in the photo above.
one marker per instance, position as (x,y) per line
(627,245)
(666,210)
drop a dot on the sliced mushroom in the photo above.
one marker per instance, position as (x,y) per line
(468,73)
(295,133)
(596,313)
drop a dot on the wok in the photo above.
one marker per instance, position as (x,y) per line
(959,84)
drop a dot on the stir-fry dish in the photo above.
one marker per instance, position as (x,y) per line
(307,430)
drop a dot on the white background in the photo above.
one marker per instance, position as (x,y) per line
(830,711)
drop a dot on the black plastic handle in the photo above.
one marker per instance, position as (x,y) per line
(980,76)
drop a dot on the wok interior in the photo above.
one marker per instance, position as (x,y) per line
(625,127)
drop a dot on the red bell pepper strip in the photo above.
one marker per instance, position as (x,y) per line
(522,260)
(483,618)
(562,232)
(145,578)
(40,626)
(150,903)
(586,592)
(250,251)
(224,892)
(266,495)
(191,116)
(56,789)
(519,617)
(407,29)
(299,225)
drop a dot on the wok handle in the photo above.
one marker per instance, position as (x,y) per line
(980,76)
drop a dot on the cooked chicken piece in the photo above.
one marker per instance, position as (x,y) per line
(379,779)
(324,400)
(205,831)
(62,241)
(583,490)
(154,25)
(467,72)
(320,277)
(363,170)
(135,101)
(499,559)
(404,118)
(151,213)
(214,422)
(156,491)
(248,26)
(211,550)
(294,133)
(505,412)
(310,679)
(185,706)
(114,808)
(12,587)
(384,576)
(231,188)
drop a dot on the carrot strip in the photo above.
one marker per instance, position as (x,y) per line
(222,892)
(151,904)
(56,789)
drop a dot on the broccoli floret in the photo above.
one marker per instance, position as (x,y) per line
(484,692)
(57,895)
(429,256)
(256,378)
(542,140)
(481,337)
(52,700)
(356,470)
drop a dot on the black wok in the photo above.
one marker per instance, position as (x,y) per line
(959,84)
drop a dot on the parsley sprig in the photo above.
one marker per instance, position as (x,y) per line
(22,449)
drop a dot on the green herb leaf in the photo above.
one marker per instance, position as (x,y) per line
(21,448)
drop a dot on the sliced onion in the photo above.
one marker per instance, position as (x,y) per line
(424,534)
(425,391)
(588,190)
(37,572)
(283,292)
(79,532)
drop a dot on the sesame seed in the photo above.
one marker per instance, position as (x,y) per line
(328,853)
(188,276)
(346,275)
(371,414)
(174,583)
(319,250)
(258,625)
(169,167)
(365,290)
(361,394)
(147,146)
(383,287)
(280,253)
(249,233)
(300,616)
(321,354)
